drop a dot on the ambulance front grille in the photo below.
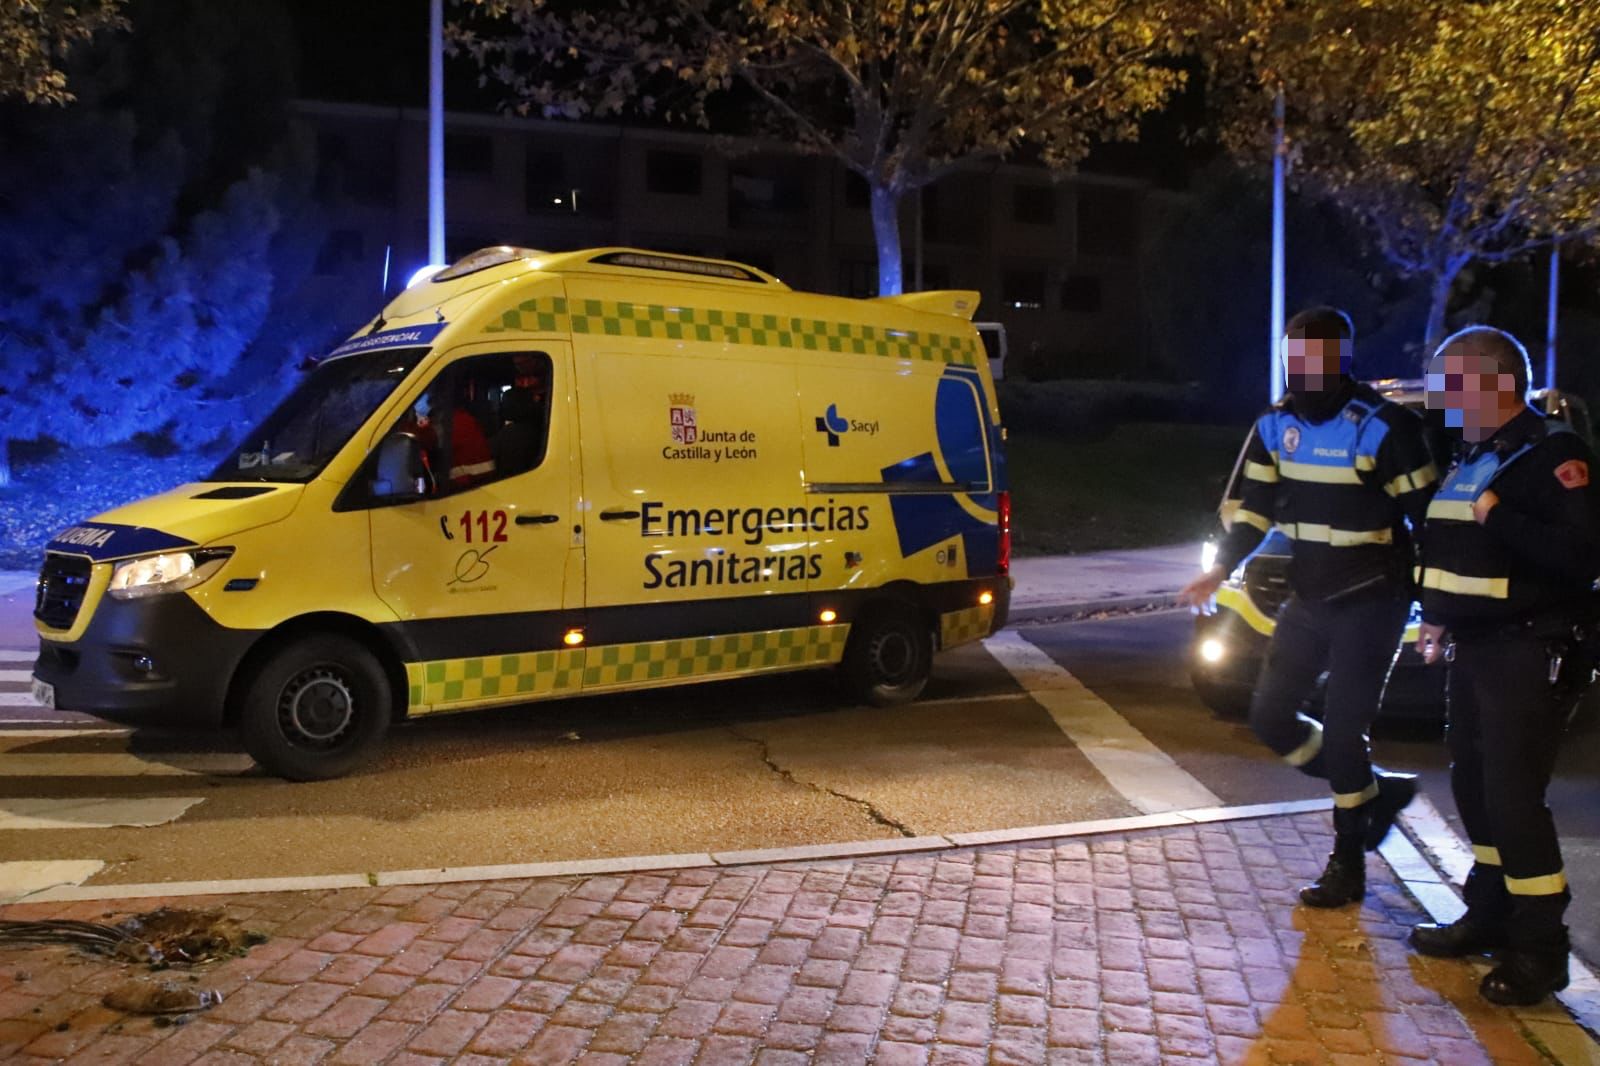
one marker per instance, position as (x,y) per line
(62,585)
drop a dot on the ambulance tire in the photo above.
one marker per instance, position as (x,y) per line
(889,656)
(316,708)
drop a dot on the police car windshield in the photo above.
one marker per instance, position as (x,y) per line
(314,421)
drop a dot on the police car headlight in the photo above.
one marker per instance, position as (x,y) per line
(1208,555)
(156,575)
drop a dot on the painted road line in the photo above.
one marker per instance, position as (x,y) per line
(1146,776)
(17,699)
(105,764)
(1561,1032)
(62,733)
(21,677)
(26,877)
(35,812)
(18,655)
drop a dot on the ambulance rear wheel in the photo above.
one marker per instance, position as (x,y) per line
(316,708)
(888,657)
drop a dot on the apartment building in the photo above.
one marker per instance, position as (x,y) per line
(1056,261)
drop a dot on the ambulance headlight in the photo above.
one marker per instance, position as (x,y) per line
(1213,650)
(1208,555)
(156,575)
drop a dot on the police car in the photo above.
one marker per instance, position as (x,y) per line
(1229,645)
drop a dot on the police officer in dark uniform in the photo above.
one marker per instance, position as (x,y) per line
(1509,556)
(1345,474)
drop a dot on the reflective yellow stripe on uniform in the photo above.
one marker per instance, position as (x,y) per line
(1485,854)
(1338,538)
(1312,746)
(1366,462)
(1261,472)
(1347,800)
(1327,475)
(1420,478)
(1494,588)
(472,470)
(1451,510)
(1250,518)
(1545,885)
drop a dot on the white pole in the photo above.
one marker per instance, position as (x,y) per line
(1275,369)
(436,132)
(1550,316)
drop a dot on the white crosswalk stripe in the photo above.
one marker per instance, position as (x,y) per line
(18,655)
(22,676)
(83,812)
(18,699)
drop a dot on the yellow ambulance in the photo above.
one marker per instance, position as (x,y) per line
(541,475)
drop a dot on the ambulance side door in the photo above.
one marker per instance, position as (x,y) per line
(691,472)
(486,567)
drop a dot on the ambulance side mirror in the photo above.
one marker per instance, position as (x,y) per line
(401,473)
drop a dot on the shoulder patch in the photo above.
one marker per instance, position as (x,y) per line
(1291,439)
(1573,474)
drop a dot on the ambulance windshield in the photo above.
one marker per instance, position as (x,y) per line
(314,421)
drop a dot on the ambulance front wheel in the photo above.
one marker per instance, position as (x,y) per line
(888,657)
(316,708)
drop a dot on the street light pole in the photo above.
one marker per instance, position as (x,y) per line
(1550,316)
(1275,340)
(436,132)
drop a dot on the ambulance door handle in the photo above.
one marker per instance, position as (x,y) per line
(618,515)
(537,519)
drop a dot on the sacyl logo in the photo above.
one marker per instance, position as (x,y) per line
(833,425)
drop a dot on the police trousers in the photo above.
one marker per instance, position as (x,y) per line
(1356,643)
(1504,730)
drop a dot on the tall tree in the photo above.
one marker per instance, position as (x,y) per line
(898,91)
(1461,133)
(146,271)
(36,37)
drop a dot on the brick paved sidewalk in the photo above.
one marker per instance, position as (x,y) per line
(1179,944)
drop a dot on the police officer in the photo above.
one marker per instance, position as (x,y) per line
(1341,472)
(1509,556)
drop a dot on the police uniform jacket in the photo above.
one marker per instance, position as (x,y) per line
(1346,490)
(1537,552)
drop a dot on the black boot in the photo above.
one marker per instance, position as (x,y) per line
(1470,934)
(1523,978)
(1534,963)
(1479,931)
(1345,878)
(1394,792)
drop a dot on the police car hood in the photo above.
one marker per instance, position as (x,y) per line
(201,514)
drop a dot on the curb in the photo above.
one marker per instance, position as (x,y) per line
(643,863)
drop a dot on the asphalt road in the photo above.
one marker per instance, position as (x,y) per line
(748,764)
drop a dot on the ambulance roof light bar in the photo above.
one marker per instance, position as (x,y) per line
(705,268)
(483,259)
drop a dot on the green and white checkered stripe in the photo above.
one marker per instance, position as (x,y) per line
(451,683)
(960,627)
(444,682)
(560,315)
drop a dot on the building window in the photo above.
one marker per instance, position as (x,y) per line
(1081,293)
(1034,205)
(857,193)
(341,248)
(672,173)
(1108,222)
(1023,288)
(468,155)
(858,278)
(775,197)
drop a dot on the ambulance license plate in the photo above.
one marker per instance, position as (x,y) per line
(44,695)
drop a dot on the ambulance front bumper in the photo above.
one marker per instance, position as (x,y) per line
(156,661)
